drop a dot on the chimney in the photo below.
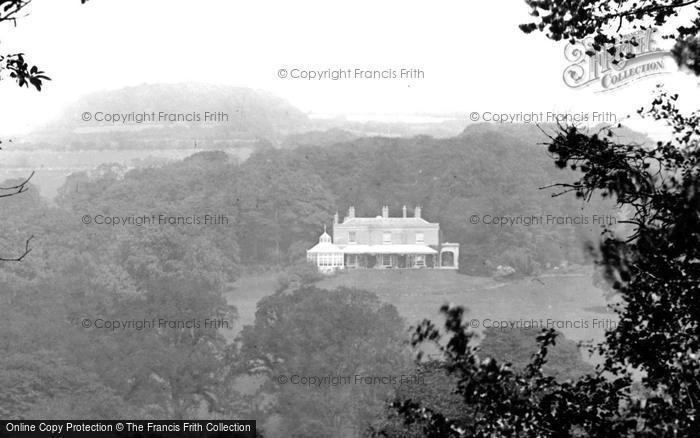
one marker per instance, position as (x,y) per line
(385,212)
(336,218)
(404,211)
(417,211)
(351,213)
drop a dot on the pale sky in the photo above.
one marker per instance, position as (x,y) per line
(472,53)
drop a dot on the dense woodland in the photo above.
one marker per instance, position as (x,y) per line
(276,204)
(52,366)
(278,200)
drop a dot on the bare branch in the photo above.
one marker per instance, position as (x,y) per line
(16,190)
(10,8)
(652,8)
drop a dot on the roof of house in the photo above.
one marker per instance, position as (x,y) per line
(324,247)
(396,222)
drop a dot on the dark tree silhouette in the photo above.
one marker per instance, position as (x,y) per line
(603,20)
(24,74)
(15,63)
(655,269)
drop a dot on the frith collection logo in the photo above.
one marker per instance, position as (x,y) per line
(610,69)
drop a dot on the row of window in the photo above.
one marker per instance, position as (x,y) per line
(328,259)
(386,237)
(414,260)
(386,260)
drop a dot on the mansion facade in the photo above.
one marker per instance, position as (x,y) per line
(383,242)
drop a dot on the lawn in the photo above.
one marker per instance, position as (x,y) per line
(419,294)
(245,294)
(569,303)
(569,299)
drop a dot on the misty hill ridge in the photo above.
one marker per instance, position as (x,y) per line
(252,115)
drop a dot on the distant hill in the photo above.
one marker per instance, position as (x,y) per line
(247,116)
(250,119)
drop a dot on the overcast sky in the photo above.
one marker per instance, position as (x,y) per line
(472,53)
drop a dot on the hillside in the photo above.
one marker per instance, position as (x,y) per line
(250,116)
(281,198)
(569,302)
(419,294)
(247,118)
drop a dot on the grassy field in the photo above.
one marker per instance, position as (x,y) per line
(419,294)
(568,302)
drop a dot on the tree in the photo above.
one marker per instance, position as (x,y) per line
(19,69)
(311,332)
(603,19)
(516,346)
(511,348)
(126,273)
(282,202)
(500,400)
(15,63)
(40,385)
(157,270)
(24,74)
(655,270)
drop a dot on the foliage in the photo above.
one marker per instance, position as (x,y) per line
(520,260)
(603,19)
(515,346)
(315,332)
(123,273)
(19,69)
(297,276)
(500,400)
(655,271)
(452,179)
(40,385)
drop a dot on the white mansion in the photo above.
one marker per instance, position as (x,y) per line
(383,242)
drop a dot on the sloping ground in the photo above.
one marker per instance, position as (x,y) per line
(569,303)
(419,294)
(245,294)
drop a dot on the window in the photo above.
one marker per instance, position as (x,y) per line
(323,260)
(420,260)
(386,237)
(351,237)
(420,238)
(386,260)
